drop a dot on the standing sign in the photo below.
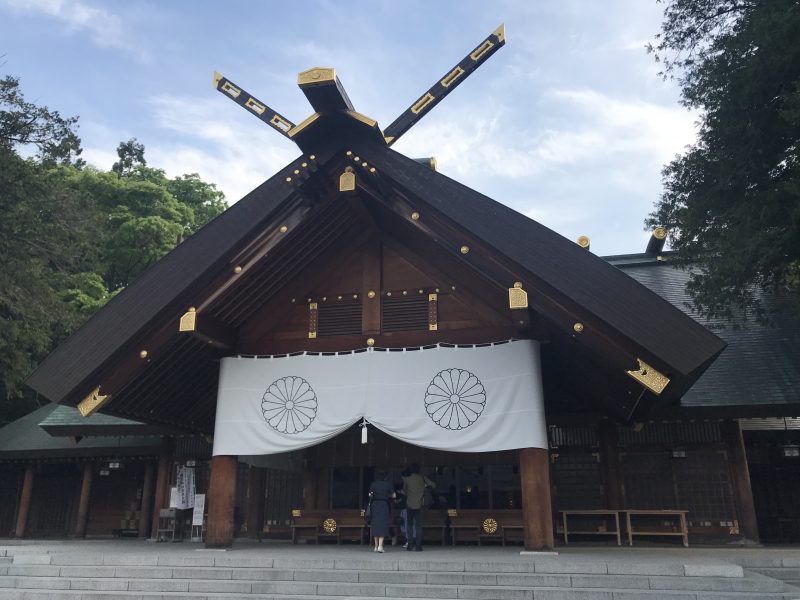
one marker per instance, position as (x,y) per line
(199,509)
(185,487)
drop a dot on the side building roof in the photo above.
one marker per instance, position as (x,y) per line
(759,372)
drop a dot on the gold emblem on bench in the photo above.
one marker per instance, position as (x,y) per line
(489,525)
(329,525)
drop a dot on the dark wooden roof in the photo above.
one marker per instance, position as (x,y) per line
(176,384)
(759,372)
(25,439)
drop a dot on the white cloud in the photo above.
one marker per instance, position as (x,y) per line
(105,28)
(237,153)
(598,128)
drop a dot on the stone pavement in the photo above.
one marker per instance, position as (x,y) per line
(92,569)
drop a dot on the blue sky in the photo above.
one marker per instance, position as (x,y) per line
(569,123)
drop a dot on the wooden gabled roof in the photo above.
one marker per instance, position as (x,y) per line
(297,218)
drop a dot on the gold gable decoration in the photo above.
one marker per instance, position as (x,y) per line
(649,377)
(92,403)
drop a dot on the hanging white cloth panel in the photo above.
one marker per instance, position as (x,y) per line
(459,399)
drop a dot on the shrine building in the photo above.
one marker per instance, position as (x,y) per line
(358,295)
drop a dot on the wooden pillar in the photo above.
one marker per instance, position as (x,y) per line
(324,480)
(221,500)
(83,503)
(742,490)
(537,514)
(257,479)
(310,479)
(145,516)
(161,498)
(612,470)
(25,501)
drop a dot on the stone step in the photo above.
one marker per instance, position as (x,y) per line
(372,584)
(561,565)
(754,581)
(474,593)
(781,572)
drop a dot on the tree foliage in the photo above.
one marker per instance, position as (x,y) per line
(72,236)
(26,124)
(731,203)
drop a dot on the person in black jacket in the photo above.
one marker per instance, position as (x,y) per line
(380,492)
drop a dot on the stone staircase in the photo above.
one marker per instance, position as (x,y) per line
(258,575)
(782,568)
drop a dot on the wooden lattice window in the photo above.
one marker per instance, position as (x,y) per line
(338,318)
(704,487)
(578,480)
(648,480)
(405,313)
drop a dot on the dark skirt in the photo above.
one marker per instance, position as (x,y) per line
(379,525)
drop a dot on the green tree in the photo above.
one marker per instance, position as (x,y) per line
(131,154)
(72,236)
(24,124)
(731,203)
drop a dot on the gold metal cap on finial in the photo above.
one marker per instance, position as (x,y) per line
(583,241)
(316,76)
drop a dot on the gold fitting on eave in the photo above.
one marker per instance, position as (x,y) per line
(583,241)
(92,402)
(347,180)
(649,377)
(188,320)
(517,297)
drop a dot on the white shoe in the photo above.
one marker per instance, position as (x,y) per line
(380,549)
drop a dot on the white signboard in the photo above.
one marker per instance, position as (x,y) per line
(185,485)
(199,509)
(174,498)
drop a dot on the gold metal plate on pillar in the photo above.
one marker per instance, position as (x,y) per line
(92,402)
(296,512)
(313,314)
(433,312)
(517,297)
(489,525)
(347,180)
(329,525)
(649,377)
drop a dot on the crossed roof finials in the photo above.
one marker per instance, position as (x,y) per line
(327,95)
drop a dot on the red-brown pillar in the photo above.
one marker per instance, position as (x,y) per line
(612,471)
(147,500)
(743,492)
(83,503)
(221,500)
(25,501)
(537,514)
(161,498)
(257,478)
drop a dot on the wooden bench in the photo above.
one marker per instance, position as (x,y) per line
(318,526)
(677,529)
(502,525)
(434,526)
(595,514)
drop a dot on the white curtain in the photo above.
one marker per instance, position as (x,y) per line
(478,399)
